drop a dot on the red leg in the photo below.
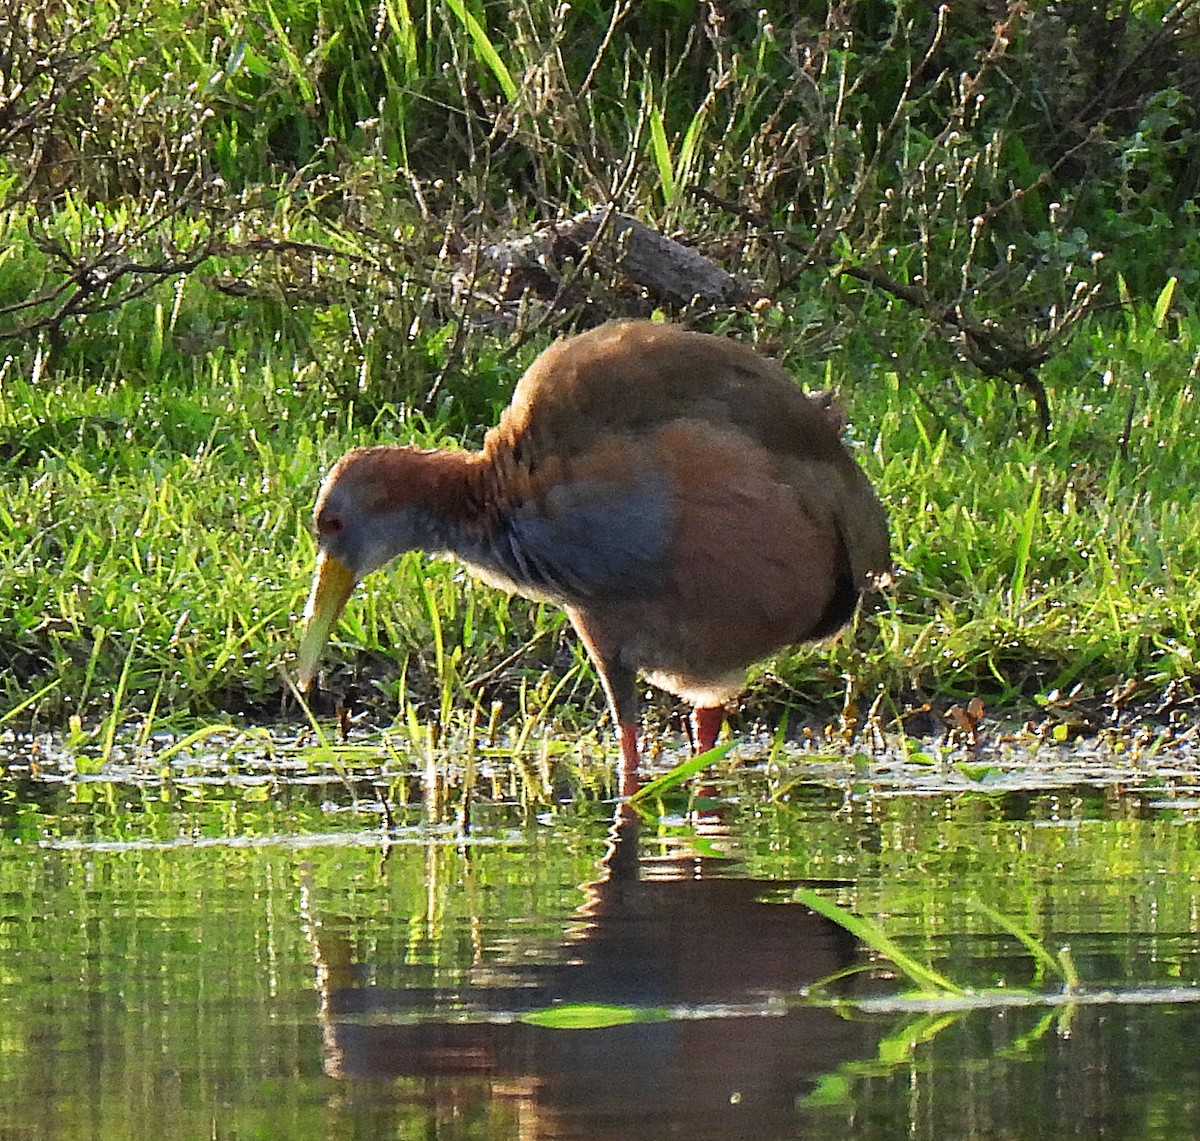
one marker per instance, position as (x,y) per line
(627,774)
(620,686)
(706,724)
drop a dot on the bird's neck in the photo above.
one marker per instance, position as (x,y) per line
(448,488)
(466,503)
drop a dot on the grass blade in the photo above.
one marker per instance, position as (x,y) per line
(1043,957)
(1163,305)
(660,150)
(193,738)
(17,709)
(687,148)
(1024,545)
(110,729)
(485,49)
(927,980)
(399,17)
(679,774)
(591,1016)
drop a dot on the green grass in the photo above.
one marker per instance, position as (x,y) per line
(923,977)
(1046,567)
(155,548)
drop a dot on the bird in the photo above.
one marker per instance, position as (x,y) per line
(675,492)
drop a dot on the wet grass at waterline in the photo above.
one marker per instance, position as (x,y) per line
(156,554)
(385,773)
(1037,857)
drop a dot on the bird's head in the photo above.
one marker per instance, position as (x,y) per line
(375,504)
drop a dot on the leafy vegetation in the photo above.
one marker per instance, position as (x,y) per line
(237,239)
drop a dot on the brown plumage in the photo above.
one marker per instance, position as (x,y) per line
(675,492)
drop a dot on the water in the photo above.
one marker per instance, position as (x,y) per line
(233,960)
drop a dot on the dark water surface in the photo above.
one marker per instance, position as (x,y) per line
(239,961)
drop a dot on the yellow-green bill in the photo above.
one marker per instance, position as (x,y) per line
(332,586)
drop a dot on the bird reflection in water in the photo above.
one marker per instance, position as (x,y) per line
(707,966)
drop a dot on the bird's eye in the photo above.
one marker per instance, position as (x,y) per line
(330,525)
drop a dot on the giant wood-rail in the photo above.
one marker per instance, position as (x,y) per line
(675,492)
